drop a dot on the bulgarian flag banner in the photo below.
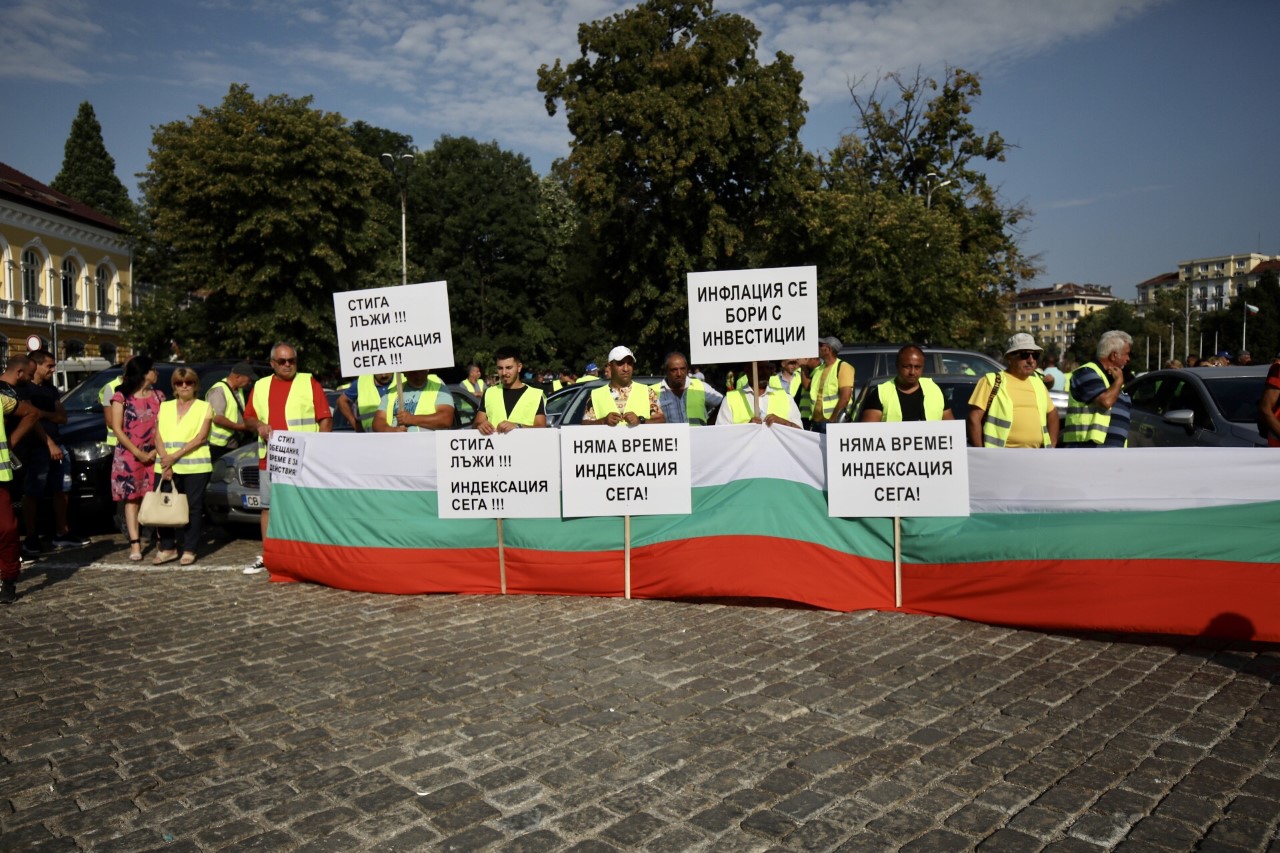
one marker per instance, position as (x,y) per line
(1172,541)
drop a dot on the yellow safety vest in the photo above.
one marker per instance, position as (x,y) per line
(997,423)
(775,382)
(1086,422)
(695,401)
(219,436)
(368,397)
(473,387)
(556,385)
(602,402)
(426,404)
(299,407)
(826,387)
(177,432)
(109,391)
(743,411)
(495,406)
(6,466)
(891,403)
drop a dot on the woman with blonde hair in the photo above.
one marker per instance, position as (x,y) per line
(183,457)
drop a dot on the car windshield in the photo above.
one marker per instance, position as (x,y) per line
(84,397)
(1236,397)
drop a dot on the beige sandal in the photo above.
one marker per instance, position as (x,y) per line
(187,559)
(163,557)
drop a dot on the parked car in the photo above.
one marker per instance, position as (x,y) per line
(232,493)
(956,390)
(872,360)
(85,432)
(567,406)
(1198,406)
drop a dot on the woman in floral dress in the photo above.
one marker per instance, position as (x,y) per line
(133,419)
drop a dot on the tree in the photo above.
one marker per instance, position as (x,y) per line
(685,156)
(913,242)
(88,172)
(262,207)
(476,224)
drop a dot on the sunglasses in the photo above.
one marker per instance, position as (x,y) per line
(1024,355)
(182,383)
(284,361)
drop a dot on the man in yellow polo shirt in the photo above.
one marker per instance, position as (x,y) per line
(1012,408)
(511,404)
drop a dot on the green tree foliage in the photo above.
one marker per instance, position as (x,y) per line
(685,156)
(912,241)
(262,207)
(88,172)
(475,222)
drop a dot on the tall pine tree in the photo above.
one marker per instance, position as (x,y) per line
(88,172)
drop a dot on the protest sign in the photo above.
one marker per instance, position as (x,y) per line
(284,454)
(750,315)
(504,475)
(640,470)
(918,468)
(387,329)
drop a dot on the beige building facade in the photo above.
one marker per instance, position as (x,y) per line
(1050,314)
(66,273)
(1215,282)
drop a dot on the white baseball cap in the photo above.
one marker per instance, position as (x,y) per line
(619,353)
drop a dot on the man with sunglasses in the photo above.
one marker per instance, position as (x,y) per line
(1012,408)
(285,400)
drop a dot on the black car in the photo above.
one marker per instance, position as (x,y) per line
(873,360)
(85,432)
(1197,406)
(956,391)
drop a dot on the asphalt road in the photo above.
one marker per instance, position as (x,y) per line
(201,709)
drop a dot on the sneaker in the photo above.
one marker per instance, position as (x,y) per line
(69,540)
(30,549)
(8,592)
(27,562)
(256,567)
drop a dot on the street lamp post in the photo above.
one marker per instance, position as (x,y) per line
(931,183)
(399,169)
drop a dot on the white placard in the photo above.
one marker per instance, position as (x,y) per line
(508,475)
(881,470)
(284,454)
(750,315)
(385,329)
(624,470)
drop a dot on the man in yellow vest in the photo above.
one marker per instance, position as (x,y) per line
(27,416)
(831,387)
(1098,407)
(1012,408)
(360,399)
(764,404)
(909,396)
(622,401)
(590,373)
(427,405)
(285,400)
(684,399)
(511,404)
(226,399)
(474,381)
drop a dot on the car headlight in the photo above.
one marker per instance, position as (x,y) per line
(91,451)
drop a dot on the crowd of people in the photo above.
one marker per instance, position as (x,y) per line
(172,436)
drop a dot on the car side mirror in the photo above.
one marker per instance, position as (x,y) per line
(1181,417)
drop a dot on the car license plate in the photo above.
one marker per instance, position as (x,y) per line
(251,502)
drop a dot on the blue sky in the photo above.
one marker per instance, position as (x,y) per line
(1146,130)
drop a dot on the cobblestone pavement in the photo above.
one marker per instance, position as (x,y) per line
(201,709)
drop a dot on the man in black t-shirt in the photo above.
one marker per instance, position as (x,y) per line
(47,462)
(909,396)
(511,404)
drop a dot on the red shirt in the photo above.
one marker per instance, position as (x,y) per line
(275,406)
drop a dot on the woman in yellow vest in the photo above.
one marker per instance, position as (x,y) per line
(183,456)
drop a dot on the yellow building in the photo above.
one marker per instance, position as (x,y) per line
(1050,314)
(66,271)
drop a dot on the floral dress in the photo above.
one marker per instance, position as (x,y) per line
(130,479)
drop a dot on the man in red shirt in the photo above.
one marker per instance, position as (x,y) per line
(277,394)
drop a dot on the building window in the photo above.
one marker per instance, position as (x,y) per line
(108,352)
(75,348)
(69,272)
(1239,265)
(30,276)
(102,280)
(1218,290)
(4,351)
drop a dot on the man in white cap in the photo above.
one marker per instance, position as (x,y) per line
(622,401)
(1012,408)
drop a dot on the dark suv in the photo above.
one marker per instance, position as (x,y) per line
(871,360)
(85,432)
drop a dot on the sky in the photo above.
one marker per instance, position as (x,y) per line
(1143,132)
